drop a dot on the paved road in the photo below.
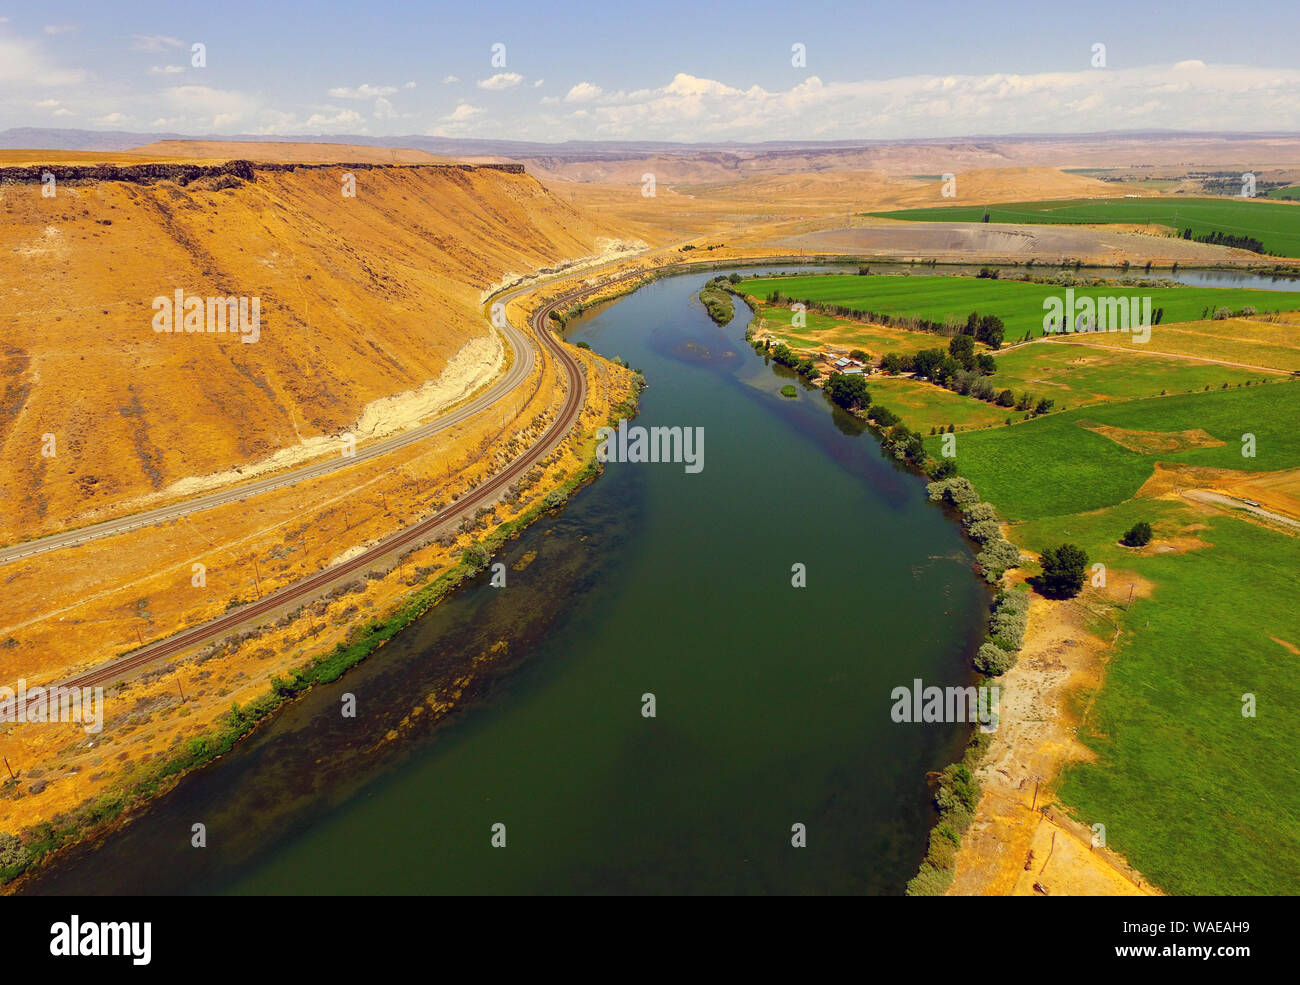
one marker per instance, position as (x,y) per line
(314,586)
(521,366)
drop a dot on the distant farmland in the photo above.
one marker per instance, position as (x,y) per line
(1019,304)
(1275,224)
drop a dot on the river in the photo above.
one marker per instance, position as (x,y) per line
(772,703)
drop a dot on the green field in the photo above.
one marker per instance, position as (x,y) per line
(1074,375)
(1276,224)
(1018,304)
(1201,799)
(924,405)
(1198,797)
(824,330)
(1051,466)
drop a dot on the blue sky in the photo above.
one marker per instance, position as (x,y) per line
(666,70)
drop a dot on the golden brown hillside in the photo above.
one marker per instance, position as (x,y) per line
(360,298)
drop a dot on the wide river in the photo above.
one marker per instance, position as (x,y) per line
(772,702)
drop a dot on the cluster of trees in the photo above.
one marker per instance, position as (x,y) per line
(786,356)
(849,391)
(1221,312)
(1026,402)
(957,796)
(986,328)
(997,654)
(1228,239)
(959,369)
(998,553)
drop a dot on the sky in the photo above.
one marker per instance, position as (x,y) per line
(551,71)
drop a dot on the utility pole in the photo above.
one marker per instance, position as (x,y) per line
(179,688)
(9,768)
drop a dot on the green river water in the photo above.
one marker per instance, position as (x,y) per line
(772,702)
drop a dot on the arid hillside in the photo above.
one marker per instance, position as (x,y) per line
(360,298)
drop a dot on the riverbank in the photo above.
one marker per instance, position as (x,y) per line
(1019,842)
(259,671)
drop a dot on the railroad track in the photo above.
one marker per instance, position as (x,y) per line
(313,586)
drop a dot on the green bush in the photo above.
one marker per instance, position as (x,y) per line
(1138,535)
(993,660)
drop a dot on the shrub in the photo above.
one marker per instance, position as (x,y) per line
(956,490)
(997,556)
(991,659)
(1138,535)
(985,530)
(930,881)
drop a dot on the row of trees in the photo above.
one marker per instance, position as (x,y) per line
(1228,239)
(985,328)
(785,356)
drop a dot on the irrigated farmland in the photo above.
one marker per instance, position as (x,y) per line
(1020,304)
(1275,224)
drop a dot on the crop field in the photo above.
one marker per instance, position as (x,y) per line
(924,405)
(1018,304)
(823,330)
(1276,224)
(1190,790)
(1290,193)
(1063,463)
(1074,375)
(1252,341)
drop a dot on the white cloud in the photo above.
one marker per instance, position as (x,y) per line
(1189,95)
(449,79)
(208,108)
(384,110)
(502,80)
(24,65)
(583,92)
(538,83)
(363,91)
(409,85)
(155,42)
(112,119)
(463,112)
(61,28)
(343,117)
(166,69)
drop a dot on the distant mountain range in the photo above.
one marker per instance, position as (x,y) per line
(48,138)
